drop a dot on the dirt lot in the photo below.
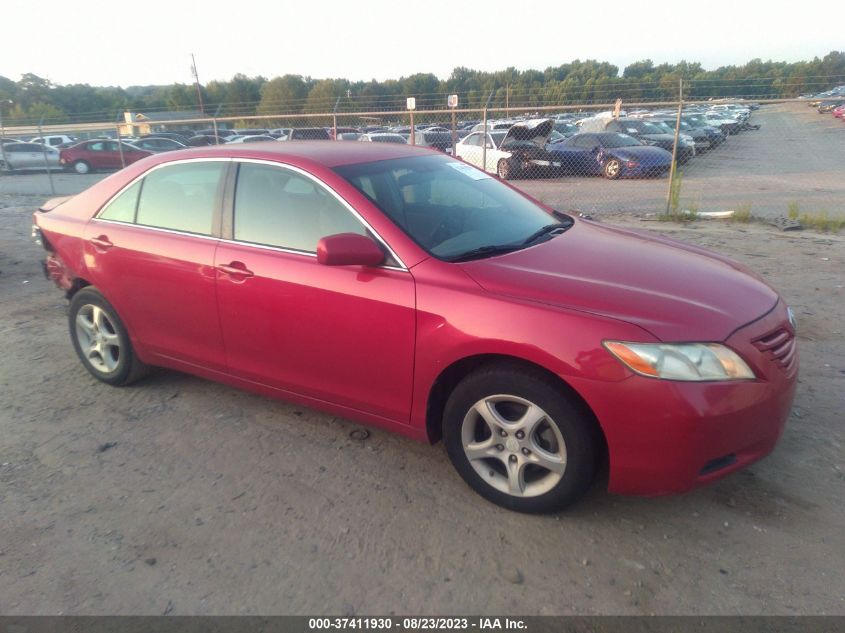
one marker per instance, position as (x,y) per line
(183,496)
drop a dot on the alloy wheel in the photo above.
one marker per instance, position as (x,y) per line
(514,445)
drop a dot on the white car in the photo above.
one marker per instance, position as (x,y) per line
(28,157)
(517,151)
(383,137)
(54,140)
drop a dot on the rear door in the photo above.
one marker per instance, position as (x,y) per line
(151,252)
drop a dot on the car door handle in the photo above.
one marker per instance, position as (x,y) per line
(235,269)
(101,241)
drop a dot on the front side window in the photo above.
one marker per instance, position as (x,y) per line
(280,207)
(181,197)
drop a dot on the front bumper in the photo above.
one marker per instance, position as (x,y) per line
(667,437)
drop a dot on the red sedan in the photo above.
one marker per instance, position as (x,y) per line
(89,156)
(403,288)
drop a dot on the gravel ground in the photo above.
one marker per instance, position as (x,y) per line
(179,495)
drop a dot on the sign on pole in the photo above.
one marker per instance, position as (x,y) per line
(412,103)
(452,101)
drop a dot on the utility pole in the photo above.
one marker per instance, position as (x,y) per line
(196,82)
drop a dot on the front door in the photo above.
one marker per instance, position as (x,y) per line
(341,334)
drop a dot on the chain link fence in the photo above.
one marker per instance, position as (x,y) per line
(762,158)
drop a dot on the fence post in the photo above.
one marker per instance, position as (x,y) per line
(214,124)
(44,152)
(484,126)
(119,142)
(454,132)
(672,167)
(2,136)
(484,139)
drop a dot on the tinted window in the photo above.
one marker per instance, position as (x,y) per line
(97,146)
(181,197)
(310,134)
(280,207)
(447,207)
(587,141)
(122,207)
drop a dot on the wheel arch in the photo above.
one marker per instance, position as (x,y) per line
(449,378)
(76,285)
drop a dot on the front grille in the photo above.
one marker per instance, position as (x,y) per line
(780,347)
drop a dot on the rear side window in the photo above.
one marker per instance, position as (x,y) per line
(181,197)
(279,207)
(122,207)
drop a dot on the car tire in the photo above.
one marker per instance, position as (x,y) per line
(612,169)
(101,341)
(533,450)
(504,169)
(81,167)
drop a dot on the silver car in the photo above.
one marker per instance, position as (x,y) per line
(28,156)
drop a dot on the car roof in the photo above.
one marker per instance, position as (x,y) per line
(326,153)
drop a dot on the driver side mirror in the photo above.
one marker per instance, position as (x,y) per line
(349,249)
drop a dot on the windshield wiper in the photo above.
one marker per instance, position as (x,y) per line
(546,230)
(483,251)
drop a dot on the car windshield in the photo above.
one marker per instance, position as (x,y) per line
(618,140)
(498,137)
(452,210)
(650,128)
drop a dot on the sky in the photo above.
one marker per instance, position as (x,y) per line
(150,42)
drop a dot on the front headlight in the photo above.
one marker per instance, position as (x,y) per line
(681,361)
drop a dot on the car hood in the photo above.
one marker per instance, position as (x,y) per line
(659,138)
(676,291)
(648,153)
(536,131)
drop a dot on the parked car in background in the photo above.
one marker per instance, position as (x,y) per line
(154,144)
(309,134)
(221,132)
(519,151)
(723,122)
(201,140)
(829,106)
(645,131)
(280,133)
(348,136)
(566,128)
(610,154)
(342,130)
(28,157)
(436,137)
(383,137)
(701,139)
(89,156)
(179,138)
(249,132)
(253,138)
(405,289)
(55,140)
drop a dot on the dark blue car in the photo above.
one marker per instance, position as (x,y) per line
(610,154)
